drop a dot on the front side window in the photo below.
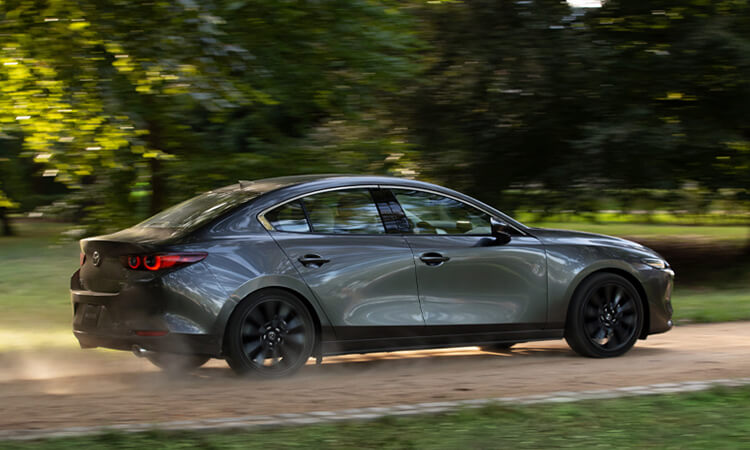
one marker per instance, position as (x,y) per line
(351,211)
(430,213)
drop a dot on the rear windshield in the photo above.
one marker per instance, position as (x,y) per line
(198,210)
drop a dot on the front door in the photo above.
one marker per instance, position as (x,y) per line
(463,276)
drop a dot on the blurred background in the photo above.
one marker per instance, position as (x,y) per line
(624,118)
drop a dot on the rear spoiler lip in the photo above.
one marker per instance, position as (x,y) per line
(139,238)
(118,248)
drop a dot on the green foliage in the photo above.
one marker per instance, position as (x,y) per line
(634,94)
(497,105)
(135,106)
(672,86)
(138,105)
(718,418)
(5,202)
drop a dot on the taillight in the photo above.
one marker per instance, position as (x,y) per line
(83,258)
(134,262)
(161,261)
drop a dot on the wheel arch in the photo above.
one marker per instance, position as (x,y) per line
(300,297)
(632,279)
(291,286)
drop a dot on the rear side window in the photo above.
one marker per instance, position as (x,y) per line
(343,212)
(288,217)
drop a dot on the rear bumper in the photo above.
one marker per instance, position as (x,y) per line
(201,344)
(113,320)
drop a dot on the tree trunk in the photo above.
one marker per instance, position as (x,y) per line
(157,187)
(158,184)
(5,220)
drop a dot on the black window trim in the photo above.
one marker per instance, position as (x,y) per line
(452,197)
(267,225)
(367,187)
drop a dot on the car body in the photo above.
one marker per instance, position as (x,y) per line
(377,263)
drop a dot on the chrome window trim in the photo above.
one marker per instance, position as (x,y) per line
(261,216)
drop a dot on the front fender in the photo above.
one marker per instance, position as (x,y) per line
(567,269)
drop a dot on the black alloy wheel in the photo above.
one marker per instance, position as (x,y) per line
(605,316)
(270,334)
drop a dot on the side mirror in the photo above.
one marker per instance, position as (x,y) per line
(500,231)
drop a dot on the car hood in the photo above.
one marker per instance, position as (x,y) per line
(550,236)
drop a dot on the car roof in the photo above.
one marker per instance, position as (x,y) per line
(269,184)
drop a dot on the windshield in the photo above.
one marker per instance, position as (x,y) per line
(198,210)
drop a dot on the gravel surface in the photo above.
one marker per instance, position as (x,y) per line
(44,390)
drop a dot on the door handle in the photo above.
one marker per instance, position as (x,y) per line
(433,258)
(312,260)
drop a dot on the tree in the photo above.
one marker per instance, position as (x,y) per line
(500,99)
(5,204)
(675,80)
(120,100)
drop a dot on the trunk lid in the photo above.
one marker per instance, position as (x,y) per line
(103,270)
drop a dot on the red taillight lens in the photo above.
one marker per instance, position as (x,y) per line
(134,262)
(83,258)
(162,261)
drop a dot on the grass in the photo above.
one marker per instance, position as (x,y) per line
(35,269)
(36,265)
(710,305)
(655,218)
(714,419)
(716,233)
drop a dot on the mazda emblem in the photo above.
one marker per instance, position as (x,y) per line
(96,258)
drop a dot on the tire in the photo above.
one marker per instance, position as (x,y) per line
(176,363)
(271,334)
(499,347)
(605,316)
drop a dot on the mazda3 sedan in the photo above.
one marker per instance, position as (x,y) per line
(268,273)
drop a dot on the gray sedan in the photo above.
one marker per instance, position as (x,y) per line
(268,273)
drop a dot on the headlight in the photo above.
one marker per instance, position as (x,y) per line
(656,263)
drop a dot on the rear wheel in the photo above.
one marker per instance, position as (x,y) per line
(176,363)
(271,334)
(605,316)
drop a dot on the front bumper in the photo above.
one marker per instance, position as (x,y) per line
(658,284)
(113,320)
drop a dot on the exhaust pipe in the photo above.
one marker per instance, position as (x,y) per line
(140,351)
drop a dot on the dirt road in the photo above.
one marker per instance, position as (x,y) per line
(71,388)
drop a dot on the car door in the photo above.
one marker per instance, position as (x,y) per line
(363,277)
(464,276)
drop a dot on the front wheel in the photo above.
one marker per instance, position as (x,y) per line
(271,334)
(605,317)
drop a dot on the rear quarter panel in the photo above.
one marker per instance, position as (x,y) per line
(245,263)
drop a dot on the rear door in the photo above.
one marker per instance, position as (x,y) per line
(363,276)
(463,277)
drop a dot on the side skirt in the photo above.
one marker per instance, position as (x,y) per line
(396,343)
